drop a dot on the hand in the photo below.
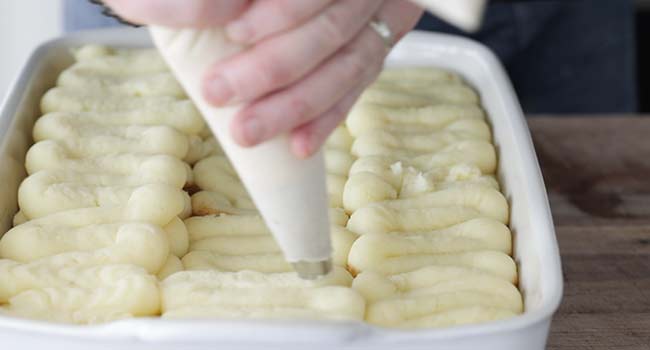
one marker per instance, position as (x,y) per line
(307,61)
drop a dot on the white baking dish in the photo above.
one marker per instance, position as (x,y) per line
(535,245)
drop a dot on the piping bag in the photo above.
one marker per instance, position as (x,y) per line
(290,193)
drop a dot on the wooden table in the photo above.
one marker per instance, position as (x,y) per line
(597,173)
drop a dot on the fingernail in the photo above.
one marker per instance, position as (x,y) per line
(218,91)
(239,31)
(300,147)
(252,131)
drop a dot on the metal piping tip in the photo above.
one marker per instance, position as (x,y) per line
(310,270)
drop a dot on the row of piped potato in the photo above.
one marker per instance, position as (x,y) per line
(101,209)
(434,247)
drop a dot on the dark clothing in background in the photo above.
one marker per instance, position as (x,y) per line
(562,56)
(82,15)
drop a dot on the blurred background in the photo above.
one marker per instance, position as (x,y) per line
(579,56)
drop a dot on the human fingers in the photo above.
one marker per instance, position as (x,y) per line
(307,138)
(265,18)
(283,59)
(178,13)
(356,63)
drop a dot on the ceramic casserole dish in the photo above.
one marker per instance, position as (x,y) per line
(535,246)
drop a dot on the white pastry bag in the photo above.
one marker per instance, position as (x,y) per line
(290,193)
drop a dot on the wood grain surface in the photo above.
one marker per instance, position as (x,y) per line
(597,173)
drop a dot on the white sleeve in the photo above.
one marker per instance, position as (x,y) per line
(465,14)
